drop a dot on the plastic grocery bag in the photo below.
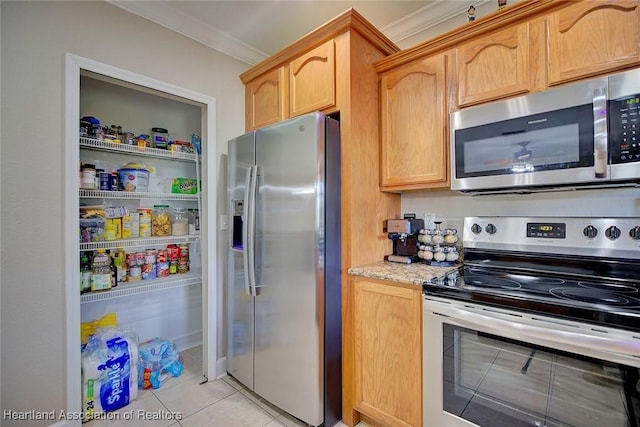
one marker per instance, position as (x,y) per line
(159,361)
(109,371)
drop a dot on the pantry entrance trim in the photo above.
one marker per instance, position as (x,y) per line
(74,66)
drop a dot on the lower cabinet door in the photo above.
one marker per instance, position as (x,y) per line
(388,352)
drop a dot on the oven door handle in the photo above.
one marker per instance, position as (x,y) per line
(555,334)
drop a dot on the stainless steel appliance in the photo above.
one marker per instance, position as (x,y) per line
(540,327)
(404,234)
(581,134)
(283,291)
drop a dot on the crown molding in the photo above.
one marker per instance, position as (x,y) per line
(172,18)
(425,18)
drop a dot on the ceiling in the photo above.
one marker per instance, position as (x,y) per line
(251,31)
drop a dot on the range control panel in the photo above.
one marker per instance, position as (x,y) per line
(611,237)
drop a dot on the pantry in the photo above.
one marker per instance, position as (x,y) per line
(164,279)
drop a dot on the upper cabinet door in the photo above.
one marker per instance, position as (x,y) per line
(495,66)
(312,80)
(592,37)
(266,99)
(414,152)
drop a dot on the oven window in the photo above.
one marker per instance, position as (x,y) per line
(496,382)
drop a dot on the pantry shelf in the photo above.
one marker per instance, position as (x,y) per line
(138,243)
(99,194)
(143,287)
(96,144)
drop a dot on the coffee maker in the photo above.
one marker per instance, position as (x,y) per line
(404,234)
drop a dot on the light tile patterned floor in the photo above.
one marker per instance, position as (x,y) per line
(223,403)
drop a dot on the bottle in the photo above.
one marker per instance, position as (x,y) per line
(101,271)
(113,271)
(120,261)
(85,273)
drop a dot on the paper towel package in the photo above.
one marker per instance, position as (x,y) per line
(109,372)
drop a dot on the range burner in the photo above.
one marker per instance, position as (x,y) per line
(594,296)
(485,281)
(613,287)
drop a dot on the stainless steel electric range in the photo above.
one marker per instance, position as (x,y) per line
(539,327)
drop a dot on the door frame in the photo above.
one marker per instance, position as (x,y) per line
(74,65)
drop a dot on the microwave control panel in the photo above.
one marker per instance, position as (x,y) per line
(624,139)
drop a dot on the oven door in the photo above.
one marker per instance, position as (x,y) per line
(556,137)
(490,367)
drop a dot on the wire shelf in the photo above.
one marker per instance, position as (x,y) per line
(96,144)
(139,242)
(100,194)
(143,287)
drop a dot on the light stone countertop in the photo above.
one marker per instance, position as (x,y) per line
(413,274)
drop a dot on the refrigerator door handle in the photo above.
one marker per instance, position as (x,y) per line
(250,231)
(246,215)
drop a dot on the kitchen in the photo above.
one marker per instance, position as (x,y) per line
(72,27)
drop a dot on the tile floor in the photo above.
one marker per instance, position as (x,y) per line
(224,403)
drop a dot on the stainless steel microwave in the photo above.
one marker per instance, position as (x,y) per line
(578,135)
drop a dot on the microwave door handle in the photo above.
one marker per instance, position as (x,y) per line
(600,137)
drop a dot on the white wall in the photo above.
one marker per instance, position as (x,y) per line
(35,37)
(451,207)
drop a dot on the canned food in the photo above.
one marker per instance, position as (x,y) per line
(140,257)
(163,269)
(149,271)
(135,273)
(173,267)
(150,256)
(162,255)
(174,252)
(183,267)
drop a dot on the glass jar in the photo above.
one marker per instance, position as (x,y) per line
(180,222)
(450,235)
(160,221)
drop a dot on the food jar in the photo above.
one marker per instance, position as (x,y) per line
(160,138)
(425,252)
(180,222)
(88,176)
(450,235)
(439,255)
(160,221)
(451,254)
(424,236)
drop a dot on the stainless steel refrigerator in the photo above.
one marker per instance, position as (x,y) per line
(283,289)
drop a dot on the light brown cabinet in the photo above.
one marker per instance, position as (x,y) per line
(388,336)
(414,140)
(494,66)
(312,80)
(305,84)
(266,99)
(592,37)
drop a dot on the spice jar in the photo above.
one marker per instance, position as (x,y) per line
(180,222)
(160,221)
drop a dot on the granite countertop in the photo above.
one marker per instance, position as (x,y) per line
(414,274)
